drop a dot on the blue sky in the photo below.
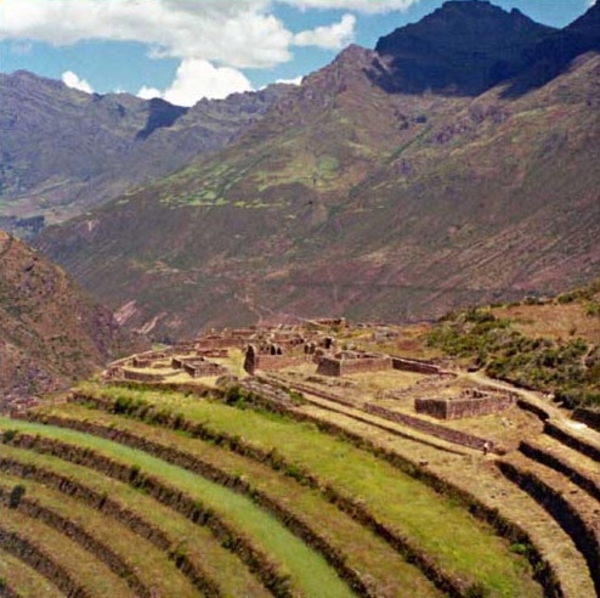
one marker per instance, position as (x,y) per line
(183,50)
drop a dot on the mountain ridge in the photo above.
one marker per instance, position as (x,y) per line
(463,48)
(64,151)
(351,200)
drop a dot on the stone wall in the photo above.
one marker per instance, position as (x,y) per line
(219,353)
(255,360)
(415,365)
(332,366)
(142,376)
(204,368)
(586,445)
(448,434)
(219,342)
(464,406)
(244,333)
(142,362)
(329,366)
(179,362)
(588,416)
(272,363)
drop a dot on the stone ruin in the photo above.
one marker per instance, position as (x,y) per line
(471,403)
(418,366)
(267,349)
(270,357)
(197,366)
(320,323)
(353,362)
(225,340)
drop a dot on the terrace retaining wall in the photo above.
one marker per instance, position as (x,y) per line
(447,434)
(587,416)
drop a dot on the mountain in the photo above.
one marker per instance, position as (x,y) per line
(544,61)
(51,333)
(463,48)
(63,151)
(348,199)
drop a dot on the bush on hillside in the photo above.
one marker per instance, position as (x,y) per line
(571,370)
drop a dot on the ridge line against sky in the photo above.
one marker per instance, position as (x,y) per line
(184,50)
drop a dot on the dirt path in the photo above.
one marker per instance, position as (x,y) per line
(534,398)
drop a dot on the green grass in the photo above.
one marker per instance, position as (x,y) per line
(81,566)
(308,571)
(200,544)
(328,166)
(29,583)
(151,565)
(459,543)
(364,550)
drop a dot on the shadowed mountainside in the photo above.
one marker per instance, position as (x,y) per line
(347,199)
(51,333)
(543,62)
(63,151)
(463,48)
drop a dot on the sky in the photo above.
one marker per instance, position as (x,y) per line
(184,50)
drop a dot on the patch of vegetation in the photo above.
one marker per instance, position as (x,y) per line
(309,571)
(297,448)
(328,166)
(587,293)
(570,369)
(16,495)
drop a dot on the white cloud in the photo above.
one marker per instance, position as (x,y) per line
(70,79)
(332,37)
(364,6)
(196,79)
(294,81)
(213,38)
(147,93)
(237,33)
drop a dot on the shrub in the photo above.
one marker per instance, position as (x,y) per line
(9,435)
(134,473)
(236,396)
(15,497)
(538,363)
(122,405)
(477,590)
(593,309)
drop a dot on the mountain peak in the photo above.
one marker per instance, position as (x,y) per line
(462,48)
(554,54)
(588,25)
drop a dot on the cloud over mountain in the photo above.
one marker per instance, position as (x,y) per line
(70,79)
(333,37)
(211,37)
(196,79)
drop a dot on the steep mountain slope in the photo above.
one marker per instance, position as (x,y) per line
(63,151)
(349,199)
(463,48)
(543,62)
(51,333)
